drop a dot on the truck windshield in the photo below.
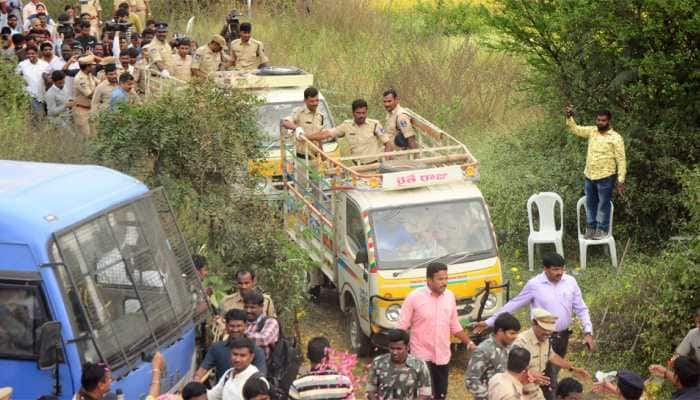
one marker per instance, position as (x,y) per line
(269,116)
(128,280)
(409,235)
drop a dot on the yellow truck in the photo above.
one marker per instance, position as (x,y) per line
(373,229)
(280,90)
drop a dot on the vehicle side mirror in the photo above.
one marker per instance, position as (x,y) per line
(49,345)
(361,257)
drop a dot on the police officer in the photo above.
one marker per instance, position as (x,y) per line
(182,61)
(536,341)
(306,120)
(210,57)
(160,54)
(103,91)
(247,53)
(398,123)
(84,86)
(94,10)
(508,385)
(491,356)
(365,136)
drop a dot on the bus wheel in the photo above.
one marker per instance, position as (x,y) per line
(359,342)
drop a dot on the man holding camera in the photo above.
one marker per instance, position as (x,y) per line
(121,24)
(606,167)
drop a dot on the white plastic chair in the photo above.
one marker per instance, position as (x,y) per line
(583,243)
(547,232)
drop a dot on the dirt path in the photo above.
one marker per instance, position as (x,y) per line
(326,319)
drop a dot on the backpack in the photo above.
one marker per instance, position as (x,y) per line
(282,364)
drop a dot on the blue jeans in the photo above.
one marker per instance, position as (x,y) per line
(38,107)
(598,196)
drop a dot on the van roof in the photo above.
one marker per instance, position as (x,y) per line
(38,199)
(374,199)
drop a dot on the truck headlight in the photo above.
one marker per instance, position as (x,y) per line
(260,184)
(393,312)
(491,302)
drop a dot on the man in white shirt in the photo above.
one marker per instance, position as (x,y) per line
(59,102)
(230,386)
(34,72)
(29,9)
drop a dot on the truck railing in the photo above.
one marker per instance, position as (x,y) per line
(436,149)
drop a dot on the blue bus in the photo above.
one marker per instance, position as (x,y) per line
(92,268)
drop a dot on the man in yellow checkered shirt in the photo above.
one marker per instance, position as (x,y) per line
(605,164)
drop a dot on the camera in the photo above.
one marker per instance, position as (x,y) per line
(117,26)
(231,30)
(232,17)
(64,29)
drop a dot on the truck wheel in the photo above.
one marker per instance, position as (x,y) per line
(359,342)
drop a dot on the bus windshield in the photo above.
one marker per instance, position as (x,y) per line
(460,231)
(129,280)
(269,116)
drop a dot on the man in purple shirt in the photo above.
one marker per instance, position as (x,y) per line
(558,293)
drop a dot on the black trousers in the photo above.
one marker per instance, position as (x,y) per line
(559,342)
(439,374)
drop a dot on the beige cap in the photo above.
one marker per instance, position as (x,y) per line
(5,392)
(218,39)
(544,318)
(108,60)
(86,60)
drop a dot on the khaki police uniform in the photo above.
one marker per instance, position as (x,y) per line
(182,68)
(397,120)
(368,138)
(103,93)
(504,386)
(92,7)
(206,60)
(83,89)
(160,52)
(540,352)
(248,56)
(235,300)
(310,122)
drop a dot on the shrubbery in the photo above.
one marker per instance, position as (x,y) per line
(639,59)
(196,142)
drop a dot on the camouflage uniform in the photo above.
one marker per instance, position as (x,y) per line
(489,359)
(392,382)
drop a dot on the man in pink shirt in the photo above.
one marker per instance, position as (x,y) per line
(431,315)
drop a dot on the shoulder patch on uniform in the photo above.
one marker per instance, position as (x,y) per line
(403,123)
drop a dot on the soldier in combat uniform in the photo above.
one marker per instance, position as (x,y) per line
(491,357)
(398,375)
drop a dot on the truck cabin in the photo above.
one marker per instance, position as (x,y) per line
(92,268)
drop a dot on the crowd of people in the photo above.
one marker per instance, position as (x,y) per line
(78,63)
(513,363)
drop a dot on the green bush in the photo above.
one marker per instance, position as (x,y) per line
(642,313)
(196,142)
(639,59)
(449,18)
